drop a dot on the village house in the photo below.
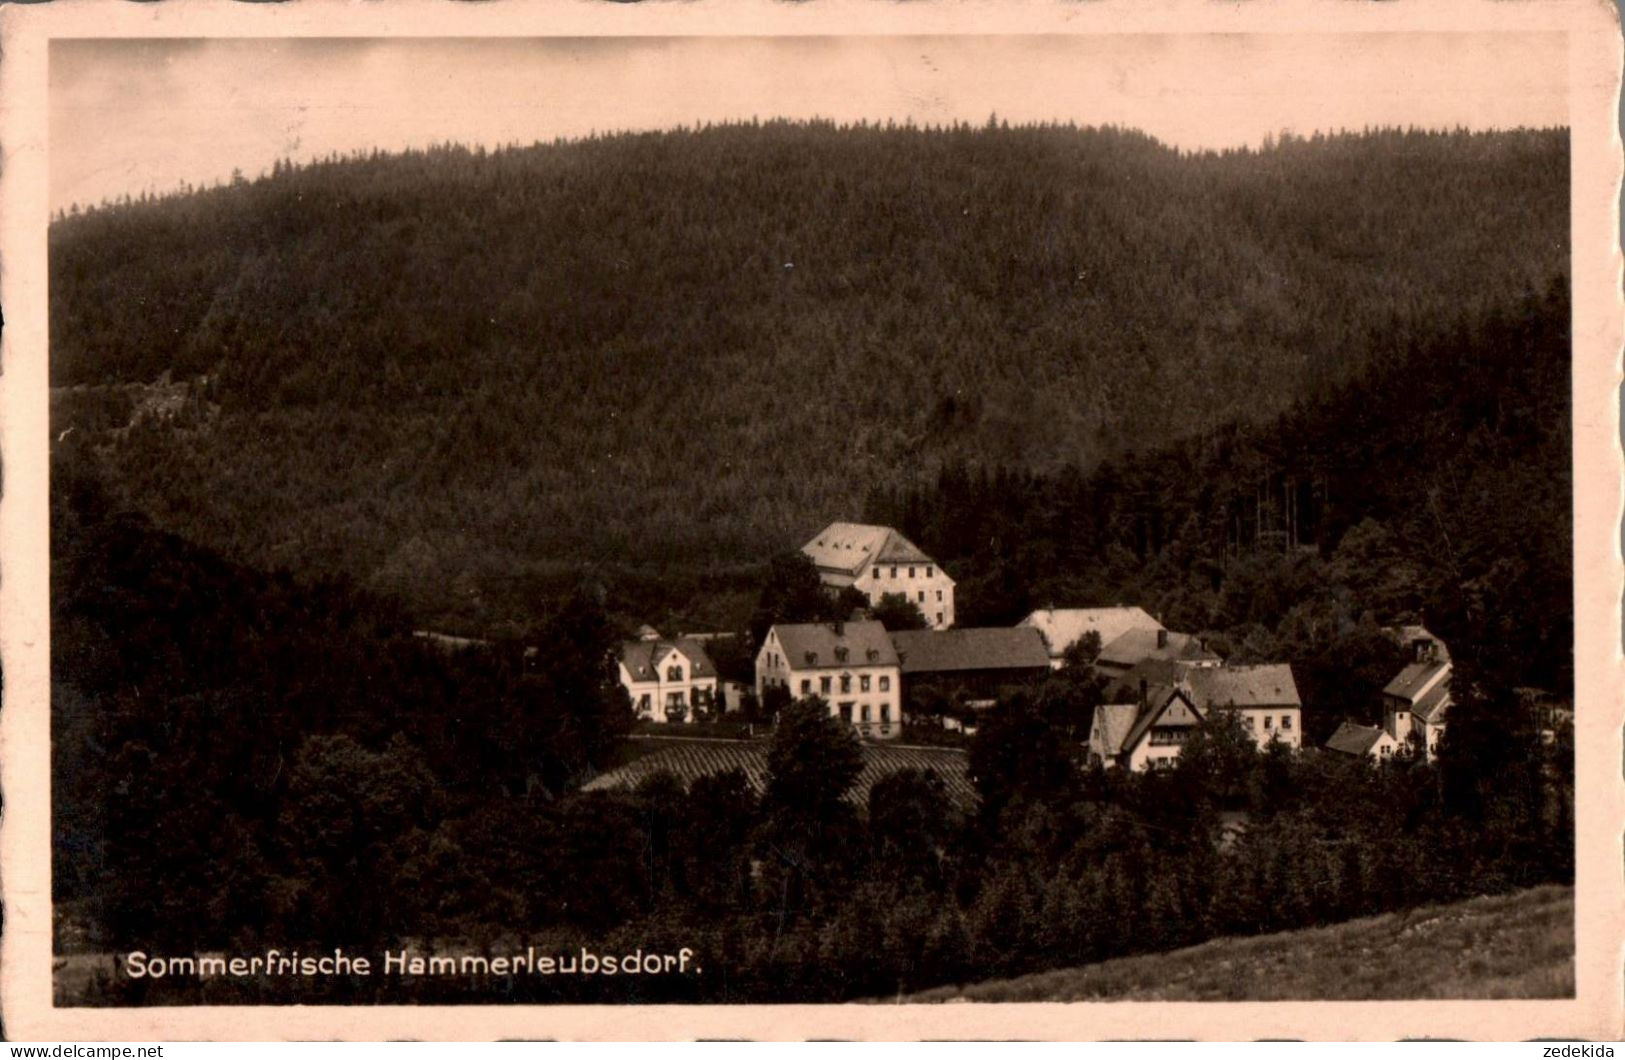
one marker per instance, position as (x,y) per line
(1062,628)
(1414,703)
(1156,706)
(667,680)
(969,666)
(1134,646)
(850,665)
(1144,735)
(877,560)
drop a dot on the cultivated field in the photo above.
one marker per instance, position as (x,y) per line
(1518,945)
(688,759)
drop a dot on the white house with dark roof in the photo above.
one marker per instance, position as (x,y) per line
(877,560)
(1064,627)
(1414,703)
(1264,698)
(668,680)
(1144,735)
(1136,729)
(850,665)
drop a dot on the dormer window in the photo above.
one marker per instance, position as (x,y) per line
(812,658)
(840,654)
(674,673)
(874,655)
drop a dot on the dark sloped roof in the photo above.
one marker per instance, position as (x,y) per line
(1352,739)
(1137,645)
(690,759)
(817,645)
(1116,721)
(643,658)
(1417,679)
(1152,672)
(1156,701)
(1434,704)
(1266,685)
(947,650)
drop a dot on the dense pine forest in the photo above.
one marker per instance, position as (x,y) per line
(1278,397)
(460,376)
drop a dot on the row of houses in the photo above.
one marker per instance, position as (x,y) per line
(1161,684)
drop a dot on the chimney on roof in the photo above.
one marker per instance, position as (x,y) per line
(1162,638)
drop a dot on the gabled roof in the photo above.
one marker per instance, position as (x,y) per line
(1156,704)
(849,547)
(1433,704)
(1417,680)
(1148,673)
(1064,627)
(1114,722)
(644,658)
(1352,739)
(1266,685)
(1406,636)
(950,650)
(818,646)
(1137,645)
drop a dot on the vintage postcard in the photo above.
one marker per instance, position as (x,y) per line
(661,521)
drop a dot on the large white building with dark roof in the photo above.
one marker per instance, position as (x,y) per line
(850,665)
(877,560)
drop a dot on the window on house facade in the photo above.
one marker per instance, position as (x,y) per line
(674,699)
(1248,718)
(806,686)
(823,684)
(911,572)
(674,673)
(1269,722)
(644,703)
(939,618)
(885,683)
(863,683)
(894,572)
(928,572)
(1286,721)
(865,710)
(846,683)
(846,713)
(939,596)
(885,713)
(877,574)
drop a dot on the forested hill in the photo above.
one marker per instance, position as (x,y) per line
(448,371)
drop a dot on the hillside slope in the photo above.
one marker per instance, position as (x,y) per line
(1518,945)
(446,373)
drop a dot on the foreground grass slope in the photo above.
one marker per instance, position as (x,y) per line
(1518,945)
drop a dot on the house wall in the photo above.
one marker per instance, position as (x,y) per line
(885,691)
(660,690)
(925,584)
(1264,724)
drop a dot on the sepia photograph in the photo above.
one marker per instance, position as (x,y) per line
(817,519)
